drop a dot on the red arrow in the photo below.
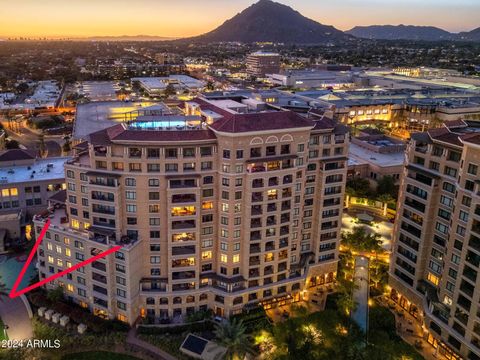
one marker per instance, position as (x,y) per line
(14,293)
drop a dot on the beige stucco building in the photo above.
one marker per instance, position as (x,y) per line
(436,251)
(224,209)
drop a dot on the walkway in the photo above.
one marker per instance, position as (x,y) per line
(150,349)
(410,330)
(14,314)
(360,293)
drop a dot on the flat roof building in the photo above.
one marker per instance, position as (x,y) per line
(260,63)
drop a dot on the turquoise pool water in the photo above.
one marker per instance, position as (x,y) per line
(164,125)
(10,267)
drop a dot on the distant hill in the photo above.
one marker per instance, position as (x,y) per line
(398,32)
(473,35)
(268,21)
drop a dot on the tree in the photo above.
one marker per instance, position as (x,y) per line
(232,335)
(170,90)
(359,240)
(386,185)
(55,295)
(42,148)
(67,146)
(358,187)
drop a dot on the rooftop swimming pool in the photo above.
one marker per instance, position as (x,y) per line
(166,125)
(10,268)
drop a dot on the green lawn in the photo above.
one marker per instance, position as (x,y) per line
(2,332)
(97,355)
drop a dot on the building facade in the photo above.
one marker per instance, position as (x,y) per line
(227,210)
(436,250)
(261,63)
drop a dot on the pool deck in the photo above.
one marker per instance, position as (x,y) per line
(15,315)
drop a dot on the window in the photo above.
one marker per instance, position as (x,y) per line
(450,171)
(449,187)
(130,182)
(472,169)
(171,153)
(226,154)
(433,278)
(130,195)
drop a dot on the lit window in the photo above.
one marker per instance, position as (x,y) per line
(183,210)
(86,225)
(59,262)
(13,192)
(5,192)
(207,205)
(68,252)
(50,259)
(70,287)
(75,224)
(49,246)
(66,241)
(59,249)
(236,258)
(433,279)
(206,255)
(223,258)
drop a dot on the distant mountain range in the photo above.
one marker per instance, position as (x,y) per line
(411,32)
(268,21)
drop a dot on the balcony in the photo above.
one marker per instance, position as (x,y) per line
(256,210)
(255,249)
(99,278)
(183,250)
(255,223)
(183,262)
(97,195)
(257,183)
(254,260)
(183,211)
(255,235)
(272,165)
(183,237)
(187,224)
(183,198)
(183,287)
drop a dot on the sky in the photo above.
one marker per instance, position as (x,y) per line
(180,18)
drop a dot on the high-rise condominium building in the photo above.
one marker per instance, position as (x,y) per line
(223,207)
(436,254)
(261,63)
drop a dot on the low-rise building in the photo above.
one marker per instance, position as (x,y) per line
(27,182)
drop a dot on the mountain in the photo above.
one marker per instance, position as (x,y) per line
(268,21)
(397,32)
(473,35)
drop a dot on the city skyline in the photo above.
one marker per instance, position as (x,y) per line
(189,18)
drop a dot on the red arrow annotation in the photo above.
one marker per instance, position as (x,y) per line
(14,293)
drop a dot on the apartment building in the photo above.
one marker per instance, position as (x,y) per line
(261,63)
(226,209)
(436,251)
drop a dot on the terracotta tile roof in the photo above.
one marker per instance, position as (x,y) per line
(473,138)
(16,155)
(119,132)
(450,138)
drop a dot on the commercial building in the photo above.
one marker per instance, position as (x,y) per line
(306,79)
(27,182)
(260,63)
(436,253)
(235,204)
(155,86)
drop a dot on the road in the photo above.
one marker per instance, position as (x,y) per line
(15,315)
(29,139)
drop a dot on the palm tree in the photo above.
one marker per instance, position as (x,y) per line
(232,335)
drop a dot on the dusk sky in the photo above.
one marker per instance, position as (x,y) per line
(59,18)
